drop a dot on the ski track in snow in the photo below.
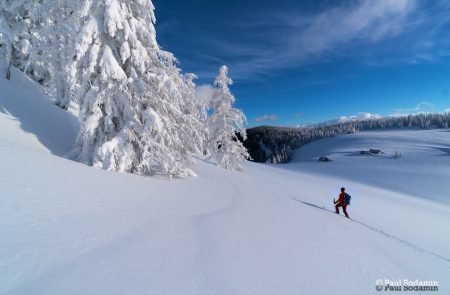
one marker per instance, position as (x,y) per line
(382,232)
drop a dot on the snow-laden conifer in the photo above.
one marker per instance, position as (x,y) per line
(225,124)
(6,41)
(16,29)
(53,42)
(138,112)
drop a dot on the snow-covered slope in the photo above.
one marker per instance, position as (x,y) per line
(35,114)
(66,228)
(421,167)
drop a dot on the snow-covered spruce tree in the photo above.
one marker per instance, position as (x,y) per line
(6,40)
(138,113)
(53,44)
(22,20)
(15,23)
(225,124)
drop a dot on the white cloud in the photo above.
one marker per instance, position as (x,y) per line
(421,107)
(343,119)
(424,105)
(360,116)
(266,118)
(205,93)
(447,111)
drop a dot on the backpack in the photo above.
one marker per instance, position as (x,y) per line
(347,199)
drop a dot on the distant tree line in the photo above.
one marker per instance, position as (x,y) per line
(276,144)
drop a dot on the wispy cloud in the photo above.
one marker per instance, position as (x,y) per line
(299,37)
(266,118)
(268,41)
(366,20)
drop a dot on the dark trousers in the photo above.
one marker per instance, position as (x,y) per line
(344,208)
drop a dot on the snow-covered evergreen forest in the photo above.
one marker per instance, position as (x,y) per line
(138,111)
(276,144)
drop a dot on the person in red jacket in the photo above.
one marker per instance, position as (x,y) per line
(341,203)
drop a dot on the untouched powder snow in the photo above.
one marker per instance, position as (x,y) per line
(66,228)
(421,167)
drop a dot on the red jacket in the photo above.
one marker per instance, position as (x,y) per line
(341,198)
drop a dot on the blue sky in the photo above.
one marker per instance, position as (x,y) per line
(298,62)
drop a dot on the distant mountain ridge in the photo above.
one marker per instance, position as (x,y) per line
(267,144)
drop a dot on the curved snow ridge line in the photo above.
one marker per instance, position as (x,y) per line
(401,241)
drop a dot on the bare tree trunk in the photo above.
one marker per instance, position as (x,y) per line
(8,71)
